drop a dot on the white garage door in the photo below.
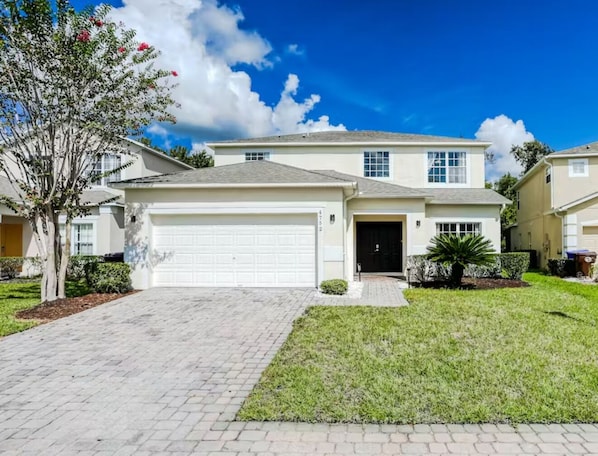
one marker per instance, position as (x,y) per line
(234,250)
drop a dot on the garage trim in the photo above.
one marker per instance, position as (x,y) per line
(160,209)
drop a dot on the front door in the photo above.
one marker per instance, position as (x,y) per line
(11,240)
(380,246)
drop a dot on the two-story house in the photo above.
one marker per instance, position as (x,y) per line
(557,204)
(297,209)
(102,231)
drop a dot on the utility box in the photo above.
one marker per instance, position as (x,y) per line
(584,261)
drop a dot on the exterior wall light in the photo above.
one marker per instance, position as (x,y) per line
(418,223)
(332,218)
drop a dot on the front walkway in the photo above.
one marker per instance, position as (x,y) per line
(164,372)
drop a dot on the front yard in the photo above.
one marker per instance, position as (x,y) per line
(507,355)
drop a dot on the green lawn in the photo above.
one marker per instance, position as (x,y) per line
(24,295)
(510,355)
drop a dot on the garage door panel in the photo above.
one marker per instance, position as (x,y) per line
(242,250)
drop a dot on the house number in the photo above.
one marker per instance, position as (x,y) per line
(319,220)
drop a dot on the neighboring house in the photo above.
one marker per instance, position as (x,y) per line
(557,204)
(102,231)
(295,210)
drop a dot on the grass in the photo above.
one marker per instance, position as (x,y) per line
(506,355)
(15,296)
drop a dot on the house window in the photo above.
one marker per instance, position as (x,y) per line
(518,199)
(548,175)
(105,164)
(376,163)
(81,238)
(459,228)
(256,156)
(578,167)
(447,167)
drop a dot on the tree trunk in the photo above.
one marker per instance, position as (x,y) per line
(64,260)
(51,236)
(456,275)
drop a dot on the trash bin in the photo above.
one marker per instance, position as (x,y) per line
(117,257)
(572,254)
(584,261)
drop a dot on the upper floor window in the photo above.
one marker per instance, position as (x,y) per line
(578,167)
(459,228)
(255,156)
(107,163)
(548,175)
(376,163)
(447,167)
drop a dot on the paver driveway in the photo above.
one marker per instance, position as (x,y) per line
(164,372)
(152,371)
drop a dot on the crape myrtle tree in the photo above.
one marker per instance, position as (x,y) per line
(72,85)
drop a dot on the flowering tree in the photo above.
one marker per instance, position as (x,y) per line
(72,85)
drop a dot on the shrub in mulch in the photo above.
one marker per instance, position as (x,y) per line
(469,283)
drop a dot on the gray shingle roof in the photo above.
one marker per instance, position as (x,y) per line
(464,196)
(591,148)
(251,172)
(371,188)
(365,137)
(96,197)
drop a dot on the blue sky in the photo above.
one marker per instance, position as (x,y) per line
(259,67)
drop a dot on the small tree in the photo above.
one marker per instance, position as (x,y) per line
(459,251)
(530,153)
(72,85)
(504,186)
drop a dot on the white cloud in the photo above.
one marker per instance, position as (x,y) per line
(504,133)
(295,49)
(202,40)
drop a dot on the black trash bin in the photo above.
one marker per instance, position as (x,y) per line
(116,257)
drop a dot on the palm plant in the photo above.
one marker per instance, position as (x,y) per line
(459,251)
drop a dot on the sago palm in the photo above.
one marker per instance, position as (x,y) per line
(459,251)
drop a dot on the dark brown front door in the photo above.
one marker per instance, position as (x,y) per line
(379,246)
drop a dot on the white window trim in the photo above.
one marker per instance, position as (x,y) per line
(459,222)
(467,182)
(573,161)
(257,151)
(90,219)
(390,151)
(104,181)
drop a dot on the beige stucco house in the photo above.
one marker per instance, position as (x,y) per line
(102,231)
(557,205)
(294,210)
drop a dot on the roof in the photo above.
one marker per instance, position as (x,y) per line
(349,137)
(97,197)
(585,149)
(371,188)
(159,154)
(465,196)
(259,172)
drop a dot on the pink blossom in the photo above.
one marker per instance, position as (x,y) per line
(84,36)
(174,73)
(98,23)
(121,49)
(143,46)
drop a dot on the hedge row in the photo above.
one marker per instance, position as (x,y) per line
(510,265)
(101,277)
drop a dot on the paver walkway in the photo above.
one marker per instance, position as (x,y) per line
(165,371)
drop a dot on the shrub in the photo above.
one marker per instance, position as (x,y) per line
(459,251)
(561,267)
(421,269)
(334,286)
(108,277)
(77,264)
(490,271)
(594,272)
(11,266)
(514,264)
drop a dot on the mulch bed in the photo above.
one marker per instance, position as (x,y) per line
(481,284)
(49,311)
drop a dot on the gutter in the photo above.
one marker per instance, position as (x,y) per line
(350,143)
(159,185)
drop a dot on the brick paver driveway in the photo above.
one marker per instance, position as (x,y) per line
(164,372)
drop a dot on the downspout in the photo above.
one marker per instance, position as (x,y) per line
(345,225)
